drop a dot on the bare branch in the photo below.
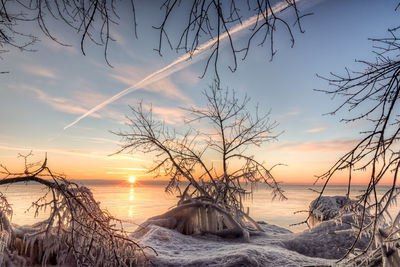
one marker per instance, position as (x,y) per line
(374,94)
(204,20)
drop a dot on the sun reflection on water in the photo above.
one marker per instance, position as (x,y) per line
(131,198)
(132,193)
(131,211)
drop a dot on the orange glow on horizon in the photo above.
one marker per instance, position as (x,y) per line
(301,168)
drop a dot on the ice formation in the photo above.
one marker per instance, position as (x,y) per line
(200,217)
(329,207)
(263,249)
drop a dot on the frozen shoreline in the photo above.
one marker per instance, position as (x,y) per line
(264,249)
(322,245)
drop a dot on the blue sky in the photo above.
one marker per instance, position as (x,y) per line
(48,89)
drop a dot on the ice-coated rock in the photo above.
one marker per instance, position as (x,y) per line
(332,218)
(326,208)
(328,240)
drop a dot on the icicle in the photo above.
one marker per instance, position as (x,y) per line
(204,219)
(211,220)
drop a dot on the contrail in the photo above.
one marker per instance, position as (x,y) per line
(178,64)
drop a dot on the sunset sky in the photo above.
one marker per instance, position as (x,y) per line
(48,89)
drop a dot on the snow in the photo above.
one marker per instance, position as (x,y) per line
(264,249)
(321,245)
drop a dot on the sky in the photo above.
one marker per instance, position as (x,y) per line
(48,89)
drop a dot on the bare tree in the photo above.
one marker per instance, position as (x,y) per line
(204,20)
(207,167)
(374,94)
(77,231)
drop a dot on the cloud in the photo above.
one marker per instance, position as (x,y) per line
(110,172)
(89,154)
(97,140)
(130,75)
(319,146)
(187,76)
(88,98)
(168,115)
(39,71)
(358,124)
(104,140)
(118,38)
(288,114)
(48,43)
(58,103)
(131,169)
(316,130)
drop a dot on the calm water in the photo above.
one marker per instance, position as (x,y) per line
(135,203)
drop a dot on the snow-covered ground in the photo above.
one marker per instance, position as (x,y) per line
(271,248)
(321,245)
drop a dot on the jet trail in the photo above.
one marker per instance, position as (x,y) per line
(183,61)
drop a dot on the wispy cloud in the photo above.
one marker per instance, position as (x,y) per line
(89,154)
(131,169)
(58,103)
(39,71)
(57,47)
(104,140)
(119,39)
(356,124)
(97,140)
(87,98)
(316,130)
(130,75)
(111,172)
(319,146)
(288,114)
(186,76)
(169,115)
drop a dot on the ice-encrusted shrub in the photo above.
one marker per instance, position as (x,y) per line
(76,232)
(207,163)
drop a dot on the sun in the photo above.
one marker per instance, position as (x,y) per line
(132,179)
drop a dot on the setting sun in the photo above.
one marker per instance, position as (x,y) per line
(132,179)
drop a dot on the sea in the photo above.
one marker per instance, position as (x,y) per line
(134,203)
